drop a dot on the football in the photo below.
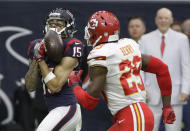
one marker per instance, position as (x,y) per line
(54,46)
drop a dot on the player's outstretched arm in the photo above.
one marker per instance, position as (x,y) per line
(97,80)
(55,80)
(32,77)
(89,98)
(153,65)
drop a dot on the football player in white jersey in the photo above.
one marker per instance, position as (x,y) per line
(114,69)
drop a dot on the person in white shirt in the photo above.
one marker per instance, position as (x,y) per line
(186,108)
(186,27)
(173,49)
(176,26)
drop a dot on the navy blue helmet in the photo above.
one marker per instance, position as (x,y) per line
(64,15)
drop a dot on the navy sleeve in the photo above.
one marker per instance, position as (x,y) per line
(31,48)
(84,65)
(74,48)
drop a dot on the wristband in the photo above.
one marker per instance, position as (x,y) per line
(49,77)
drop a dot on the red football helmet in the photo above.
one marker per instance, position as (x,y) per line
(103,26)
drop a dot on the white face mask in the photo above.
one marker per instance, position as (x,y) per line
(47,28)
(87,36)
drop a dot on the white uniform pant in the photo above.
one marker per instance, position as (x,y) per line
(64,118)
(157,111)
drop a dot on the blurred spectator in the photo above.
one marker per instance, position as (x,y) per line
(40,108)
(186,27)
(176,26)
(136,28)
(173,48)
(7,112)
(23,107)
(186,110)
(30,108)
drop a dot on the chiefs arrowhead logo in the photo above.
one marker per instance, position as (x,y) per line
(93,23)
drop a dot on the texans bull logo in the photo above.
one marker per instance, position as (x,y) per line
(21,32)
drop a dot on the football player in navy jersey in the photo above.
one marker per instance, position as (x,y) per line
(64,111)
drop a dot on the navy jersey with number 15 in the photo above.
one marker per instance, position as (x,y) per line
(72,48)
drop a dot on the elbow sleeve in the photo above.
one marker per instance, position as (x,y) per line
(87,101)
(161,70)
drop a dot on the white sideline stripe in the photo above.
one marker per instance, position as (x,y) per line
(134,118)
(142,117)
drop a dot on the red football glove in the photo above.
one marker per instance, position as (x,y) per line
(39,51)
(168,115)
(74,78)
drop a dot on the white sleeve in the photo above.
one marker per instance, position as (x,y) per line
(185,64)
(141,44)
(98,58)
(97,62)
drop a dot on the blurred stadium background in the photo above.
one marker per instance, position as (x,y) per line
(23,20)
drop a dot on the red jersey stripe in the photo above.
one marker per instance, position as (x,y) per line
(29,48)
(98,58)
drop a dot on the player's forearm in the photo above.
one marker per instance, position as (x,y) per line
(56,84)
(93,90)
(43,68)
(32,77)
(30,83)
(166,100)
(53,84)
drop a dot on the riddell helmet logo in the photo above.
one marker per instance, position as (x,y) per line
(93,23)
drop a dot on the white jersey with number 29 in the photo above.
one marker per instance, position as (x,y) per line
(124,85)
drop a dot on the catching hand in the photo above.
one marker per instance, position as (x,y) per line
(74,77)
(39,51)
(168,115)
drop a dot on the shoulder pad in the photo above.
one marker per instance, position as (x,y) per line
(99,55)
